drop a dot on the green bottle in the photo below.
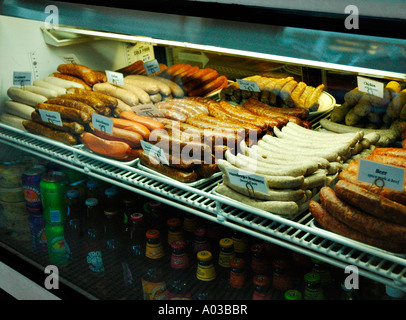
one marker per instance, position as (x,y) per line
(293,294)
(58,251)
(54,186)
(313,289)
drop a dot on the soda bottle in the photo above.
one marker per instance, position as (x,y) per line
(225,255)
(241,245)
(92,189)
(200,242)
(262,287)
(313,289)
(179,286)
(93,238)
(205,277)
(53,186)
(348,293)
(153,211)
(326,280)
(74,226)
(129,207)
(38,234)
(259,263)
(153,280)
(281,278)
(293,294)
(58,251)
(174,230)
(189,225)
(238,285)
(111,198)
(392,293)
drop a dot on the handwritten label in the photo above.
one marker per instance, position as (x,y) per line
(154,151)
(115,77)
(21,78)
(247,180)
(381,174)
(70,58)
(102,123)
(152,66)
(141,51)
(248,85)
(51,117)
(148,110)
(372,87)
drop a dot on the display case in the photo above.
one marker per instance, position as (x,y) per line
(40,36)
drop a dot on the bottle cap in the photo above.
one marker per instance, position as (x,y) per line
(73,193)
(152,234)
(112,191)
(54,176)
(257,248)
(204,255)
(128,201)
(174,222)
(293,295)
(136,217)
(394,292)
(154,205)
(312,277)
(91,184)
(280,263)
(178,244)
(226,243)
(110,212)
(91,202)
(237,263)
(261,280)
(200,232)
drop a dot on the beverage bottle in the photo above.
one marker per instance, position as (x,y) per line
(326,280)
(392,293)
(313,289)
(111,199)
(205,283)
(179,284)
(74,227)
(129,207)
(190,223)
(238,288)
(153,279)
(53,188)
(92,189)
(241,245)
(93,238)
(38,234)
(201,241)
(293,294)
(281,278)
(154,215)
(31,179)
(301,264)
(348,293)
(174,230)
(58,251)
(259,263)
(262,287)
(225,255)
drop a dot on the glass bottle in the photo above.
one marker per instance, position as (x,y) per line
(241,245)
(92,189)
(179,286)
(189,226)
(293,294)
(392,293)
(200,242)
(111,198)
(154,215)
(153,279)
(323,270)
(313,289)
(259,263)
(129,207)
(205,277)
(281,279)
(225,255)
(348,293)
(262,287)
(238,285)
(174,230)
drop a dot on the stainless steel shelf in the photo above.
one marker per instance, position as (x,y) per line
(298,234)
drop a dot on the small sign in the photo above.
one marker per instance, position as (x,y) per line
(382,175)
(152,66)
(154,151)
(372,87)
(248,85)
(148,110)
(21,78)
(102,123)
(116,78)
(247,180)
(70,58)
(143,51)
(51,117)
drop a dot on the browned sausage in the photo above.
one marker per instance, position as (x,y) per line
(40,129)
(80,71)
(67,112)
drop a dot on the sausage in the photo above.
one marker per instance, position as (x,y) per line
(72,78)
(63,83)
(67,126)
(359,220)
(80,71)
(176,90)
(204,171)
(101,76)
(132,126)
(374,204)
(92,101)
(26,97)
(212,123)
(43,84)
(119,93)
(48,93)
(142,95)
(208,79)
(109,101)
(67,112)
(296,112)
(72,104)
(12,120)
(387,159)
(174,173)
(133,139)
(394,152)
(39,129)
(327,221)
(132,68)
(391,194)
(149,85)
(113,149)
(18,109)
(149,123)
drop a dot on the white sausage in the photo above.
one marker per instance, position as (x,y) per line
(41,83)
(24,96)
(19,109)
(48,93)
(63,83)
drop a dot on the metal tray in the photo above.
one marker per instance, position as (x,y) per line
(196,183)
(359,245)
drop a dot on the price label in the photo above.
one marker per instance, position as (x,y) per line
(102,123)
(247,180)
(70,58)
(148,110)
(381,174)
(248,85)
(143,51)
(51,117)
(372,87)
(116,78)
(154,151)
(152,66)
(21,78)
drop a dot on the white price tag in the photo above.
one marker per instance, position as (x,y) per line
(51,117)
(143,51)
(70,58)
(152,66)
(381,174)
(247,180)
(372,87)
(154,151)
(102,123)
(148,110)
(248,85)
(115,77)
(21,78)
